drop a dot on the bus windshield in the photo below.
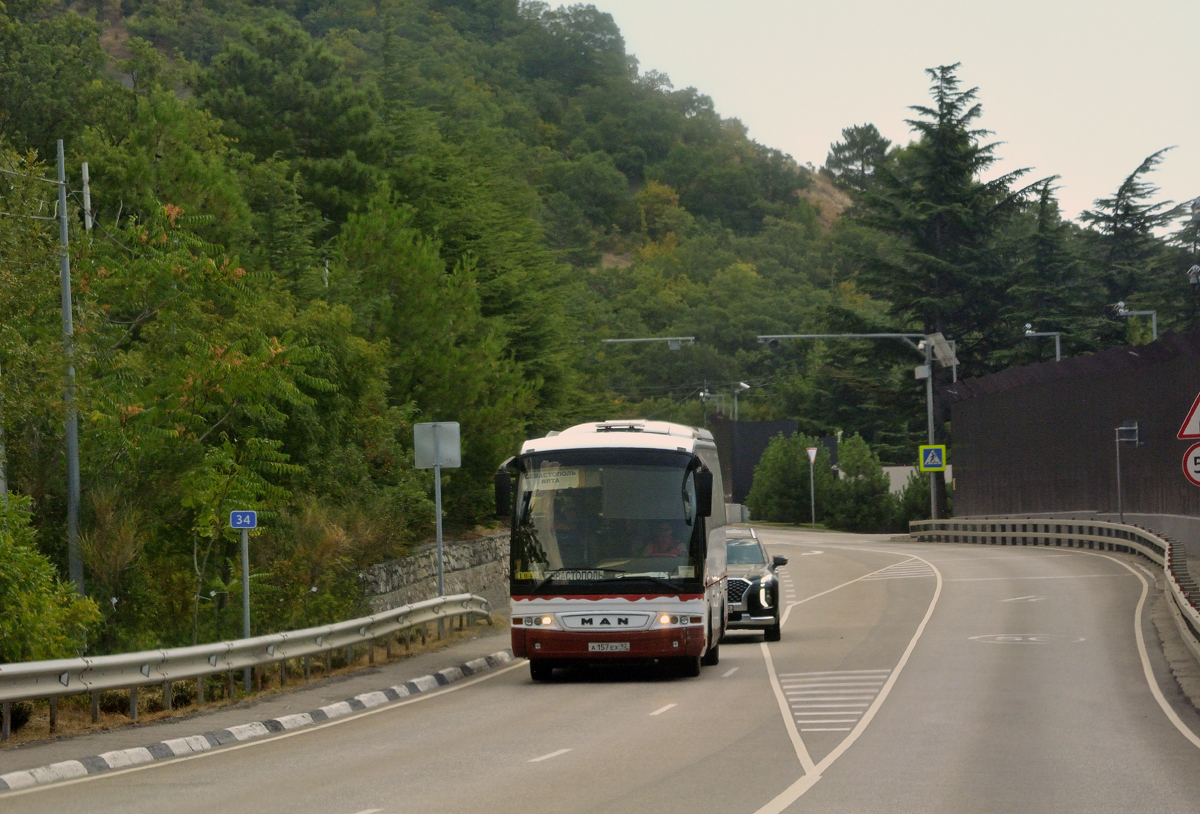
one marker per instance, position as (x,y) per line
(602,516)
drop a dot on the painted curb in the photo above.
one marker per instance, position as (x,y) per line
(177,747)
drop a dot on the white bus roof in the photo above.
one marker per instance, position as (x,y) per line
(626,434)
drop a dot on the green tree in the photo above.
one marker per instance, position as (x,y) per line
(40,616)
(1134,258)
(861,499)
(852,161)
(941,273)
(51,73)
(780,491)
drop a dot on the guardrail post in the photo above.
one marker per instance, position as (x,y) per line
(6,721)
(166,687)
(388,652)
(53,713)
(229,685)
(308,668)
(349,654)
(133,705)
(371,651)
(328,661)
(95,707)
(283,673)
(200,691)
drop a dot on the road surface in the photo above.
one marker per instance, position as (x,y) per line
(910,678)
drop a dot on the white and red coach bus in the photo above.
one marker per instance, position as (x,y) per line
(618,546)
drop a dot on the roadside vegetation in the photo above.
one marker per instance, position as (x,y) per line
(319,222)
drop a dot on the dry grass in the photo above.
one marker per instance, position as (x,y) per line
(75,715)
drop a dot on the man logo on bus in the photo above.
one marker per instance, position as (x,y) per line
(604,620)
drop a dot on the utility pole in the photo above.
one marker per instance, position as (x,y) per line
(74,553)
(87,199)
(933,497)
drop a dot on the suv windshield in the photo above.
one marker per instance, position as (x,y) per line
(744,551)
(601,516)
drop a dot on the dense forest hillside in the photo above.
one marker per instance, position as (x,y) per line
(319,221)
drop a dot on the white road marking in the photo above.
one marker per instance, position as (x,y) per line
(810,553)
(663,709)
(811,775)
(292,734)
(1146,669)
(369,811)
(788,610)
(828,706)
(831,673)
(849,685)
(828,729)
(1030,598)
(547,757)
(806,761)
(729,672)
(1071,576)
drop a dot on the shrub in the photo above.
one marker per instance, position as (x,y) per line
(40,616)
(860,501)
(861,498)
(780,491)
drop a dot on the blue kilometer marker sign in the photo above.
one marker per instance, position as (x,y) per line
(243,520)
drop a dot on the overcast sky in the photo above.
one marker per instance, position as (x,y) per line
(1082,90)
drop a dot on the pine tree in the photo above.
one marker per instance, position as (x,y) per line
(853,160)
(1133,256)
(942,272)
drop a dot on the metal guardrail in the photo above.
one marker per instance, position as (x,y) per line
(31,680)
(1074,533)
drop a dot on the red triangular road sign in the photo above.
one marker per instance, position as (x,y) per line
(812,455)
(1191,424)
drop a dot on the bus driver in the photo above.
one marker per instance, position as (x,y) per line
(665,543)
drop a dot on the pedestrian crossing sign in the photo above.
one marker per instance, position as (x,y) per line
(933,457)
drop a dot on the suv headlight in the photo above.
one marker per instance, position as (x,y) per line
(764,592)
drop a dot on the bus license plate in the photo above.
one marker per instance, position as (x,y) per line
(608,647)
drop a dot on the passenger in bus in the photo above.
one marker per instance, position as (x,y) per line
(666,543)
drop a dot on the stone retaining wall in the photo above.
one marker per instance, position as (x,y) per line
(472,566)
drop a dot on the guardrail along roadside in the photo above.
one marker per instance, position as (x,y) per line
(37,680)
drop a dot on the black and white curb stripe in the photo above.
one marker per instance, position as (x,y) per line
(177,747)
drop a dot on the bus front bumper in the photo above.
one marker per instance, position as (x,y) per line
(581,645)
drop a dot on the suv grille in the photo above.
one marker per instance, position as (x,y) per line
(737,589)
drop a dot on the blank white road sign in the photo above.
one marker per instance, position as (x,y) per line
(441,436)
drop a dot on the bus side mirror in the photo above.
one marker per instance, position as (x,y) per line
(704,495)
(503,493)
(778,561)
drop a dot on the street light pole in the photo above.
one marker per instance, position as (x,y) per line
(741,386)
(945,355)
(1030,332)
(1122,311)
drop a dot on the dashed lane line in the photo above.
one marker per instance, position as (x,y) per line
(547,757)
(728,673)
(661,710)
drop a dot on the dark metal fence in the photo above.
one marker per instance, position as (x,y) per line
(740,444)
(1041,438)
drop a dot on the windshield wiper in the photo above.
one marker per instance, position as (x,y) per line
(550,575)
(658,580)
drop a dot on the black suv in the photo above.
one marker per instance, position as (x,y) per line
(753,587)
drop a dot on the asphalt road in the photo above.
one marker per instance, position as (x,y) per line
(910,678)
